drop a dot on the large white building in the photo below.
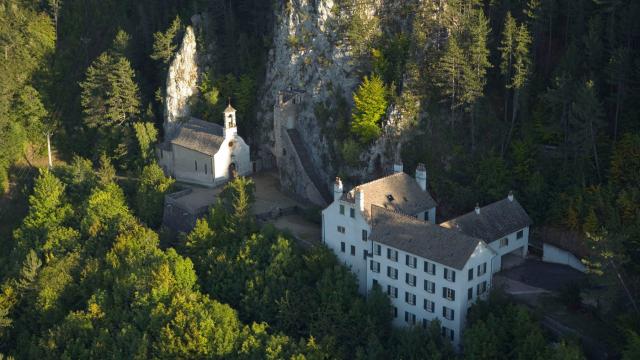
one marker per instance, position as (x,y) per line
(204,153)
(386,232)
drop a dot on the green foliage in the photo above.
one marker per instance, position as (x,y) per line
(147,135)
(632,349)
(499,329)
(152,187)
(370,105)
(109,93)
(43,228)
(166,43)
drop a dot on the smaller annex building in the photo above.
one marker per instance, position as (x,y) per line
(203,153)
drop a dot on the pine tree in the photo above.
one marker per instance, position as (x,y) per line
(514,66)
(150,195)
(451,69)
(585,120)
(165,44)
(370,105)
(147,134)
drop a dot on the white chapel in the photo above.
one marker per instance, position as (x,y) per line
(204,153)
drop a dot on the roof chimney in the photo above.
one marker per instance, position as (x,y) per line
(337,189)
(397,167)
(510,196)
(360,200)
(477,209)
(421,176)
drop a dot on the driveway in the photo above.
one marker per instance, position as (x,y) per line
(538,274)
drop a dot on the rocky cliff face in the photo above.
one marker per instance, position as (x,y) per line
(308,54)
(182,81)
(311,52)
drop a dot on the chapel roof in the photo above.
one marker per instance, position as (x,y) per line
(398,192)
(445,246)
(199,135)
(494,221)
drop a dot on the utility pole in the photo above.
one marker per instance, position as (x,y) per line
(49,149)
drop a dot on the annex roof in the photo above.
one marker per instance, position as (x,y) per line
(445,246)
(199,135)
(494,221)
(398,192)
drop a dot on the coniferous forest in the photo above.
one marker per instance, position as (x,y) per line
(537,96)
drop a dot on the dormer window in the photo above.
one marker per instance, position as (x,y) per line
(389,197)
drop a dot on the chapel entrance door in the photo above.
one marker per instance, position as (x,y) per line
(233,173)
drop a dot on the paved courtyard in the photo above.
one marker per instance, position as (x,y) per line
(548,276)
(271,206)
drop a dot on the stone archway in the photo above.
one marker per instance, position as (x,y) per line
(233,172)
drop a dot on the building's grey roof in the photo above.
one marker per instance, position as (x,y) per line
(495,220)
(199,135)
(406,195)
(445,246)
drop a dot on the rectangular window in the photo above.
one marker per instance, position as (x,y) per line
(481,288)
(375,266)
(482,269)
(365,235)
(392,255)
(429,305)
(426,216)
(429,286)
(394,311)
(429,268)
(409,298)
(392,291)
(450,275)
(374,282)
(448,294)
(392,272)
(352,212)
(342,246)
(504,242)
(353,250)
(470,274)
(410,279)
(341,209)
(470,293)
(377,249)
(196,162)
(520,234)
(205,168)
(425,323)
(411,261)
(410,318)
(341,229)
(447,313)
(446,332)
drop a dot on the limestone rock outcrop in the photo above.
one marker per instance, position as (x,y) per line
(182,81)
(308,53)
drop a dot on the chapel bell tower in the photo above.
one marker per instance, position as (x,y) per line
(230,128)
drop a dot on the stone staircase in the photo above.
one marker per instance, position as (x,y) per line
(307,164)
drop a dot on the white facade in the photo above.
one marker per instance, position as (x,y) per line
(554,254)
(417,303)
(343,227)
